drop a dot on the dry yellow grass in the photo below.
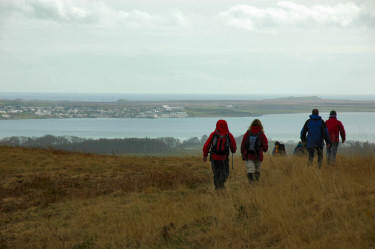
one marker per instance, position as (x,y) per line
(52,199)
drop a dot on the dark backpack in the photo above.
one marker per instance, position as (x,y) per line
(220,144)
(253,143)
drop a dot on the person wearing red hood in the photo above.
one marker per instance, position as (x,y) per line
(334,128)
(219,145)
(254,154)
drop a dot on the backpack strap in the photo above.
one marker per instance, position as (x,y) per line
(305,130)
(255,134)
(212,141)
(324,135)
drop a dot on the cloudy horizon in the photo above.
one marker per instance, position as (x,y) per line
(165,46)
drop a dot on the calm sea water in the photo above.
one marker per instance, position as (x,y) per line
(283,127)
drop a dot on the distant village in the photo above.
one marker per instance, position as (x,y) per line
(21,110)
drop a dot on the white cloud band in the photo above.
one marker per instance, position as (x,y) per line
(292,14)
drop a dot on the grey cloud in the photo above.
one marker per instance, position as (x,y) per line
(59,12)
(90,12)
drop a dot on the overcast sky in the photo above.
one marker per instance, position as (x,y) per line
(188,46)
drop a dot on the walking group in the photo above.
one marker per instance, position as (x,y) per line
(315,133)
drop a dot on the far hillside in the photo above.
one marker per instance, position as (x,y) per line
(37,109)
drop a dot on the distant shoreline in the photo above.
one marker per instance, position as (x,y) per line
(36,109)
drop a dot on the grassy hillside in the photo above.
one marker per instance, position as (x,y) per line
(52,199)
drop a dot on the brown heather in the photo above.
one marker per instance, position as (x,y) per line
(53,199)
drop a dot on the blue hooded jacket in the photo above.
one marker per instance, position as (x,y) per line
(316,131)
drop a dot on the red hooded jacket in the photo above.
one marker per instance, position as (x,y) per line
(334,128)
(221,128)
(263,144)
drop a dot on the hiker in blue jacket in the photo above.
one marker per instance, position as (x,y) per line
(317,133)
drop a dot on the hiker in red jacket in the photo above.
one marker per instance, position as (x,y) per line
(335,128)
(254,143)
(220,143)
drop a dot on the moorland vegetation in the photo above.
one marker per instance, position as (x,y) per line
(57,199)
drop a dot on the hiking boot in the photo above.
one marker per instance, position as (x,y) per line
(257,176)
(250,177)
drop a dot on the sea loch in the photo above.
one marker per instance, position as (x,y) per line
(284,127)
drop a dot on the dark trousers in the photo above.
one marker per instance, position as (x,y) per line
(319,151)
(331,152)
(220,169)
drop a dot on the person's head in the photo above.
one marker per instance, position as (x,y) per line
(277,143)
(333,113)
(256,122)
(222,126)
(315,111)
